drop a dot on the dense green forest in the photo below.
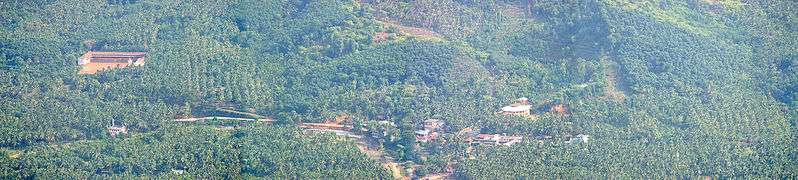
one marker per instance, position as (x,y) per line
(664,88)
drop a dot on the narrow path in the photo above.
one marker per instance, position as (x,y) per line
(221,118)
(388,162)
(233,111)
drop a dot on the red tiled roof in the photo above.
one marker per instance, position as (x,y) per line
(484,136)
(97,53)
(92,68)
(94,61)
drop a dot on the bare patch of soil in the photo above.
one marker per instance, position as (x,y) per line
(616,88)
(93,67)
(413,31)
(387,161)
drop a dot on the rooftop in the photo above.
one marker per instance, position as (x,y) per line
(114,54)
(94,61)
(422,132)
(92,68)
(516,108)
(492,139)
(432,121)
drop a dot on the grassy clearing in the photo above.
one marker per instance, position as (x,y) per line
(13,154)
(616,89)
(413,31)
(678,14)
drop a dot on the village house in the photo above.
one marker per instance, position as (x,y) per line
(583,137)
(116,130)
(429,131)
(425,135)
(433,124)
(494,139)
(92,61)
(559,109)
(521,108)
(178,171)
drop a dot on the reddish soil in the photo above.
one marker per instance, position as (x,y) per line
(93,67)
(379,37)
(559,109)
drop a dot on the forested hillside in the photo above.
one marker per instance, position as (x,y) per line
(663,88)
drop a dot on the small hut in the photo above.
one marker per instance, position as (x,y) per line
(116,130)
(559,109)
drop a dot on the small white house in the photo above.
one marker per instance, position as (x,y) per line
(116,130)
(520,107)
(583,137)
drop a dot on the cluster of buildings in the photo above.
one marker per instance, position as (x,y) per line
(493,139)
(505,140)
(429,131)
(431,127)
